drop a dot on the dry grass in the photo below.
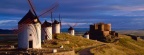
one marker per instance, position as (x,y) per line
(76,42)
(125,46)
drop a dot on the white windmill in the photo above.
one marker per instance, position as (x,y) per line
(86,35)
(56,26)
(29,35)
(71,30)
(47,32)
(29,30)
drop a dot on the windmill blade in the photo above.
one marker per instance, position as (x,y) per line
(52,18)
(51,9)
(68,24)
(60,19)
(75,25)
(20,27)
(45,32)
(32,7)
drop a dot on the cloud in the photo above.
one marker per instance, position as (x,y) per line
(12,11)
(8,24)
(7,21)
(121,13)
(129,8)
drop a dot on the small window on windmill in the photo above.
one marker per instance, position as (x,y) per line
(30,34)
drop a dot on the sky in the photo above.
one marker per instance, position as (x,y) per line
(122,14)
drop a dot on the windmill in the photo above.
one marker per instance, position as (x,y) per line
(71,30)
(46,31)
(29,27)
(60,20)
(56,26)
(86,35)
(47,35)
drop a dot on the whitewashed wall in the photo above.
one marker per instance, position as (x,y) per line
(56,28)
(24,36)
(48,31)
(86,36)
(71,32)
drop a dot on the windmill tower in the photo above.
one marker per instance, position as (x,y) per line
(56,26)
(29,27)
(29,35)
(86,35)
(29,30)
(71,30)
(47,32)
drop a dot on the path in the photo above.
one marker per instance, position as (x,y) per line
(87,50)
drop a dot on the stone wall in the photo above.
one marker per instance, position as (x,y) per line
(106,33)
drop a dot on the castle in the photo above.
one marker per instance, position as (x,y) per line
(101,31)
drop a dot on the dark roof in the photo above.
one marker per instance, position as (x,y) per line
(46,24)
(71,28)
(56,22)
(86,33)
(28,18)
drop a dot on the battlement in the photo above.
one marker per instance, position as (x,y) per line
(101,27)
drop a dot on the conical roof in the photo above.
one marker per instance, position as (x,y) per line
(29,18)
(46,24)
(87,33)
(56,22)
(71,28)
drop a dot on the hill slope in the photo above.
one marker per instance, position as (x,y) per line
(125,46)
(70,42)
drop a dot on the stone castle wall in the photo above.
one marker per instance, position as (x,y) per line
(100,30)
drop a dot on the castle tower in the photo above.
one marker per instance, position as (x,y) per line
(100,26)
(71,31)
(29,35)
(46,31)
(107,27)
(86,35)
(56,27)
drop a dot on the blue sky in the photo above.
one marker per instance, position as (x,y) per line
(122,14)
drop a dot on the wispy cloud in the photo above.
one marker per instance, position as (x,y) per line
(129,8)
(7,21)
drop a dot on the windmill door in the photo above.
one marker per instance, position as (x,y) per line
(30,44)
